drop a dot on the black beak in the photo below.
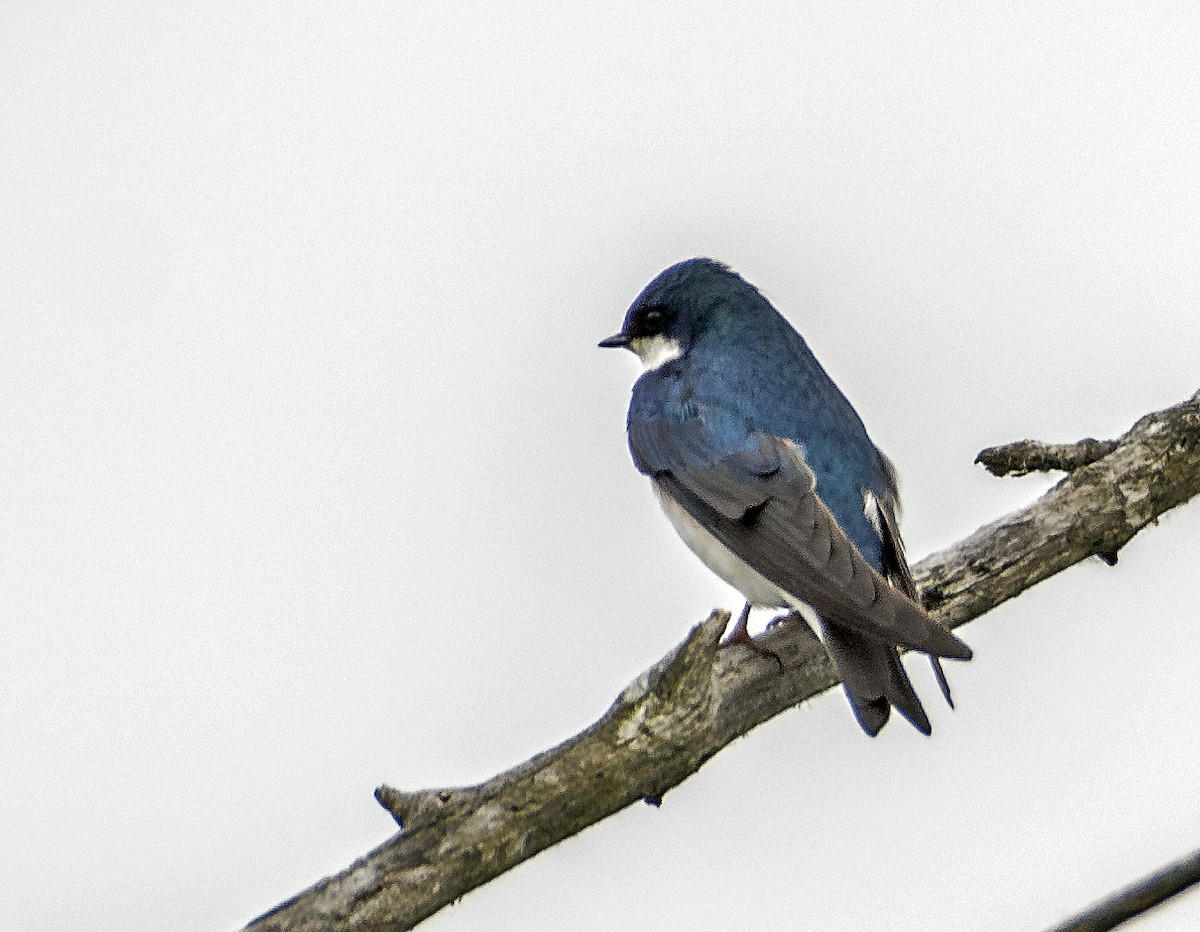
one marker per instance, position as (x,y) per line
(617,339)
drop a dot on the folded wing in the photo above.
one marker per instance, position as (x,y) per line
(756,495)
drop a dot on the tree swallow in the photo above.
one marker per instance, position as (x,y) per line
(768,475)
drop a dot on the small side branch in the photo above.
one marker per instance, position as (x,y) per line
(1137,898)
(688,706)
(1026,456)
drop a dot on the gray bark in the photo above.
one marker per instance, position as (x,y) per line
(1026,456)
(688,706)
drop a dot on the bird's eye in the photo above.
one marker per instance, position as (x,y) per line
(654,319)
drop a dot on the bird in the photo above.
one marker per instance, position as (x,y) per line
(767,472)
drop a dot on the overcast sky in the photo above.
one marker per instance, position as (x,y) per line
(312,478)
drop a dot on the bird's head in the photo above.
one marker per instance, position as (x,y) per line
(681,305)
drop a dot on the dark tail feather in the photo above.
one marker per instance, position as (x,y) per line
(943,683)
(874,680)
(901,693)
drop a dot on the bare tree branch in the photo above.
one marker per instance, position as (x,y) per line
(1026,456)
(696,700)
(1137,898)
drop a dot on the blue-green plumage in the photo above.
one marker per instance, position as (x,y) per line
(768,473)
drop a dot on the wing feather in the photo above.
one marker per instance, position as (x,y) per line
(898,571)
(760,500)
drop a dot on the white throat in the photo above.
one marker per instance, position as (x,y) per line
(656,352)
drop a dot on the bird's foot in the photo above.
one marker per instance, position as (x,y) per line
(741,635)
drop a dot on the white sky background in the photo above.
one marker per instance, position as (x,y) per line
(312,477)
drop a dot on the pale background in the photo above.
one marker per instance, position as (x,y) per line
(311,475)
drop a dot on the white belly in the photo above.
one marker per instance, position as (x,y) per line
(757,589)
